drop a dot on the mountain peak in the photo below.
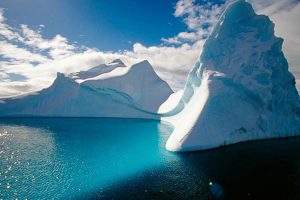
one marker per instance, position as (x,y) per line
(117,61)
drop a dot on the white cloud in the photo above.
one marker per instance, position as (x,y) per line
(187,35)
(271,7)
(172,40)
(13,88)
(4,77)
(15,53)
(199,18)
(5,30)
(285,14)
(58,46)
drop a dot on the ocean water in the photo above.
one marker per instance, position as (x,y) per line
(96,158)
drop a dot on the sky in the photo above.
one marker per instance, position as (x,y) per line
(39,38)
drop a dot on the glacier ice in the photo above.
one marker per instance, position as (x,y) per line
(108,90)
(240,89)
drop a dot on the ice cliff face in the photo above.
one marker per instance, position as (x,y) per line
(108,90)
(240,89)
(139,82)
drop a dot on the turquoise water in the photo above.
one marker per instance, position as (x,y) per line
(94,158)
(70,157)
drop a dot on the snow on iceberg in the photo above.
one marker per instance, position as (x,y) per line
(240,89)
(112,90)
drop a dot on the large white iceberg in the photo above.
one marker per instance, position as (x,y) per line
(108,90)
(240,89)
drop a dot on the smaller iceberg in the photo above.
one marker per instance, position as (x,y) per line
(107,90)
(240,89)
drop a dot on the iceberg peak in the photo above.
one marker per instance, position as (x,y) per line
(240,88)
(144,63)
(143,66)
(117,61)
(61,77)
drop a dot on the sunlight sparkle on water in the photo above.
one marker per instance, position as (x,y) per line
(55,158)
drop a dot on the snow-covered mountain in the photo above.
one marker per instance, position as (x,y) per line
(108,90)
(240,89)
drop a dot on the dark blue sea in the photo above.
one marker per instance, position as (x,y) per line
(97,158)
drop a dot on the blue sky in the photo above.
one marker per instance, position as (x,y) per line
(39,38)
(107,25)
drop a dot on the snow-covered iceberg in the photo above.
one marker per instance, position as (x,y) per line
(108,90)
(240,89)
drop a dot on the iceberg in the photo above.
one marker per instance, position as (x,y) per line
(240,89)
(107,90)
